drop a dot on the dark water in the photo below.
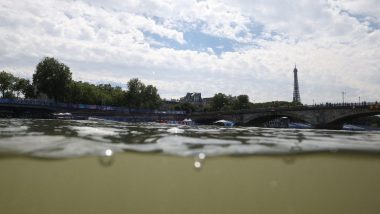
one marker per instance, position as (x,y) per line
(70,138)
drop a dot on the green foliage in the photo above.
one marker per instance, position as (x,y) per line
(20,86)
(151,98)
(140,96)
(134,94)
(240,102)
(222,102)
(137,96)
(12,87)
(188,107)
(6,82)
(86,93)
(52,78)
(29,92)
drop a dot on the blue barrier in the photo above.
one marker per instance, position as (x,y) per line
(52,104)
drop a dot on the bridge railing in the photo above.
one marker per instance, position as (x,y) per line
(52,104)
(342,105)
(370,105)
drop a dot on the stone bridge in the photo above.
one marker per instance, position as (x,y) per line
(22,108)
(326,116)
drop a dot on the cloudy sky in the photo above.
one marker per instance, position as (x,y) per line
(208,46)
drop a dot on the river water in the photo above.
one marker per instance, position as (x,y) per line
(75,138)
(98,166)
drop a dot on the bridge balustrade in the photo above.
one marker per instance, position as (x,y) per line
(34,102)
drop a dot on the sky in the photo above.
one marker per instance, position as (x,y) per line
(208,46)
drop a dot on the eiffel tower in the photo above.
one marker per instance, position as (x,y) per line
(296,91)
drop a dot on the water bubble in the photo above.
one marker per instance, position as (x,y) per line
(199,159)
(108,152)
(197,165)
(106,158)
(202,156)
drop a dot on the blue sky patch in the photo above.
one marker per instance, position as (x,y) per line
(195,40)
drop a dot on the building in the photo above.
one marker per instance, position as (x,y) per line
(193,98)
(207,101)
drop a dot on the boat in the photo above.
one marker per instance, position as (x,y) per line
(63,116)
(224,123)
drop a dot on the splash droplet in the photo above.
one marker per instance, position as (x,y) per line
(106,159)
(197,165)
(202,156)
(108,152)
(199,159)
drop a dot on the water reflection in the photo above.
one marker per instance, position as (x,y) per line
(300,137)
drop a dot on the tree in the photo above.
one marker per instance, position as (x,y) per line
(134,93)
(29,92)
(140,96)
(188,107)
(20,86)
(219,101)
(241,102)
(151,99)
(52,78)
(6,82)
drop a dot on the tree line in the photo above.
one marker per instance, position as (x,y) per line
(14,87)
(223,102)
(53,79)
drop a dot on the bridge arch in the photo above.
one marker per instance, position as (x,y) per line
(260,119)
(339,120)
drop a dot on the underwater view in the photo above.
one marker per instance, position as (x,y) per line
(99,166)
(189,107)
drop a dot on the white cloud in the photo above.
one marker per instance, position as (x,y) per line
(369,9)
(104,41)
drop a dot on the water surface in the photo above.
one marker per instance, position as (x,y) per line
(74,138)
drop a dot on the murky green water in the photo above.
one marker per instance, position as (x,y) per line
(93,166)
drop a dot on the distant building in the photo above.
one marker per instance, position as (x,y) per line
(193,98)
(168,104)
(207,101)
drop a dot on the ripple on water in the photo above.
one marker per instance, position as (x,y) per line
(63,139)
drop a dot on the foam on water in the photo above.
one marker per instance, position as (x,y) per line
(65,139)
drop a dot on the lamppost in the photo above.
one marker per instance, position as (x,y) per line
(359,100)
(343,95)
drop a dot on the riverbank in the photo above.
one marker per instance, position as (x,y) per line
(156,183)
